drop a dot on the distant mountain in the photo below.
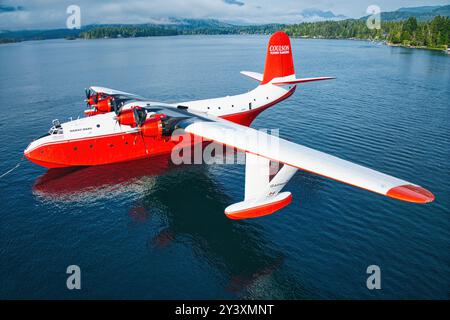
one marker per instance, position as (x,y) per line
(424,13)
(423,9)
(170,23)
(177,26)
(166,27)
(170,26)
(200,23)
(319,15)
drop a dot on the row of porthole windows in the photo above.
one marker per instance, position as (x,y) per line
(249,105)
(92,146)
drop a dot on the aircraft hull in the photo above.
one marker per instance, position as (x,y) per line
(122,146)
(99,150)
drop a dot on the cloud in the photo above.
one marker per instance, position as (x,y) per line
(45,14)
(235,2)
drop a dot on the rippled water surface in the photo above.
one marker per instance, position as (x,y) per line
(149,230)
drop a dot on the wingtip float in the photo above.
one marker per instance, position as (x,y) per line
(120,127)
(411,193)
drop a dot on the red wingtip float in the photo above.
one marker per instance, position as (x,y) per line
(411,193)
(121,127)
(239,211)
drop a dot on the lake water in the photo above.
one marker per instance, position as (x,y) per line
(143,230)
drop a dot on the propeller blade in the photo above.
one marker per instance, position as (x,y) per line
(136,116)
(139,116)
(115,106)
(87,92)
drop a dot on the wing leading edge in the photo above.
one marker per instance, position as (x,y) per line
(304,158)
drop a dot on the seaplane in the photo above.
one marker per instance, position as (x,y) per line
(121,127)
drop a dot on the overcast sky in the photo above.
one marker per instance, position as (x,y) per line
(44,14)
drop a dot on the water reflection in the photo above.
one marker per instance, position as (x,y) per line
(139,214)
(89,184)
(185,206)
(193,215)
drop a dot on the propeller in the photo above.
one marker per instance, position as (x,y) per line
(87,92)
(115,105)
(90,93)
(134,116)
(140,115)
(117,109)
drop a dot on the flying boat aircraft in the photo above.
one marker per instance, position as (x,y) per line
(120,127)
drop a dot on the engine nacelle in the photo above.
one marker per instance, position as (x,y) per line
(91,100)
(152,127)
(104,105)
(126,118)
(94,98)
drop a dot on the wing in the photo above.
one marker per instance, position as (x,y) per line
(117,94)
(269,147)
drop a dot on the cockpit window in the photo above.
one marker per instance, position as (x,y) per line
(54,130)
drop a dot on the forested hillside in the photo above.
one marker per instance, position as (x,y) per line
(431,34)
(190,27)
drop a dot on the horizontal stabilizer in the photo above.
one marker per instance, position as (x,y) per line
(301,80)
(253,209)
(254,75)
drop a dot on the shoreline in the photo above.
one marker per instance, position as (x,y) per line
(384,42)
(415,47)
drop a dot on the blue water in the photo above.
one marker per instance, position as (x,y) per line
(146,230)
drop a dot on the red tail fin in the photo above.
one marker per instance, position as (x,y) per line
(279,61)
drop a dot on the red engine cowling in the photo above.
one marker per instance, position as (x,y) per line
(126,118)
(91,100)
(152,127)
(95,97)
(104,105)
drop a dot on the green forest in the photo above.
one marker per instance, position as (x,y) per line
(127,32)
(412,32)
(149,30)
(433,34)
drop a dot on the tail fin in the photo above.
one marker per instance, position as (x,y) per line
(279,61)
(279,64)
